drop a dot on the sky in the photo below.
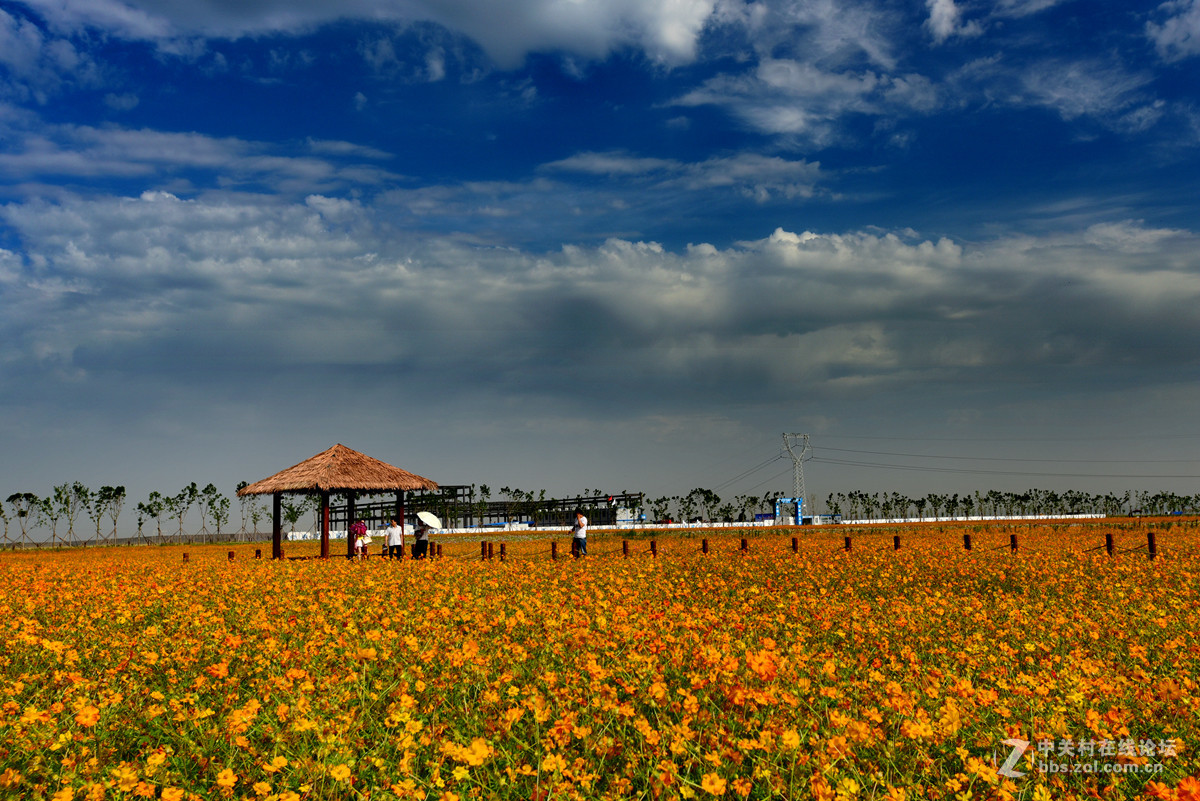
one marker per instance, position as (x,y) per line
(602,244)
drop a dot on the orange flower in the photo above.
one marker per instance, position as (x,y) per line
(88,716)
(713,784)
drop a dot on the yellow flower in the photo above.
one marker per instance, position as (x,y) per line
(227,778)
(340,772)
(713,784)
(790,739)
(275,764)
(172,794)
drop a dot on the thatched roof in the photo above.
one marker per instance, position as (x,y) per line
(337,470)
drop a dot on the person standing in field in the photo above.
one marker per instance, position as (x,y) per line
(357,535)
(421,545)
(579,534)
(394,538)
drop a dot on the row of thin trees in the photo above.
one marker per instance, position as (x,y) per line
(62,514)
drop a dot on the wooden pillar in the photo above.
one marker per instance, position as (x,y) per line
(276,525)
(350,516)
(1108,543)
(896,542)
(400,509)
(324,525)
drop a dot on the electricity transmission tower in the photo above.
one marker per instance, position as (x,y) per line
(798,448)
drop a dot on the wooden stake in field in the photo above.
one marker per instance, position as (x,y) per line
(653,548)
(795,545)
(553,551)
(967,541)
(625,548)
(1151,545)
(482,550)
(896,542)
(703,546)
(847,544)
(1012,542)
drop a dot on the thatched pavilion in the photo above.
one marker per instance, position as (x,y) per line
(342,470)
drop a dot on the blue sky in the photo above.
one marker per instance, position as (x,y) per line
(570,244)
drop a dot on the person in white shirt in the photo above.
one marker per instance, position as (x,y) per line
(395,540)
(579,534)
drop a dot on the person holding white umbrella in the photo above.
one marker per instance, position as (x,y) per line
(426,521)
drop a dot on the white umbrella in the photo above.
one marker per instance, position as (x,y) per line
(429,519)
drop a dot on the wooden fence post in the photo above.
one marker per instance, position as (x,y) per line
(185,556)
(795,545)
(439,550)
(1012,542)
(653,548)
(896,542)
(1151,544)
(231,556)
(847,543)
(625,548)
(482,550)
(553,551)
(502,552)
(703,546)
(1108,543)
(491,550)
(745,546)
(967,541)
(258,553)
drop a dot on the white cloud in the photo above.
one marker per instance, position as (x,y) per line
(46,151)
(755,176)
(945,21)
(1099,90)
(1178,36)
(326,281)
(802,100)
(667,30)
(39,65)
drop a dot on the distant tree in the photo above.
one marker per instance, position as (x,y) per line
(257,511)
(243,500)
(485,494)
(291,513)
(181,503)
(26,507)
(4,517)
(78,499)
(660,508)
(153,508)
(52,508)
(110,500)
(95,510)
(218,510)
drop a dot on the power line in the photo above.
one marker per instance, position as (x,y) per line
(980,471)
(1014,459)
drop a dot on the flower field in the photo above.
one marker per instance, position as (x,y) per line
(830,674)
